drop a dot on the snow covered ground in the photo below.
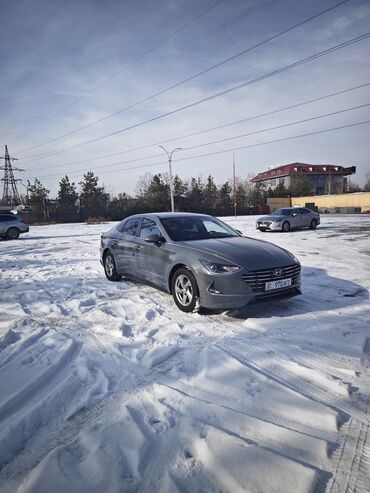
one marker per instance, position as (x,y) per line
(108,387)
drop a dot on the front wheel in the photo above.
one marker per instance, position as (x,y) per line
(13,233)
(313,224)
(110,268)
(286,227)
(185,291)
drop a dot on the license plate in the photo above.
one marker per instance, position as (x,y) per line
(282,283)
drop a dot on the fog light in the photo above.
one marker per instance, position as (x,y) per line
(213,290)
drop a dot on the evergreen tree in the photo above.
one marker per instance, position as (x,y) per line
(300,186)
(181,192)
(158,193)
(67,194)
(258,194)
(93,199)
(281,190)
(210,193)
(37,196)
(240,196)
(225,195)
(196,194)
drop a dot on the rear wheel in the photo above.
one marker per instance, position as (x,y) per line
(13,233)
(110,268)
(286,227)
(313,224)
(185,291)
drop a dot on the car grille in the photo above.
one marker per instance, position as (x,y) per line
(264,223)
(256,279)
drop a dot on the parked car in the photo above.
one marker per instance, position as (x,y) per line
(200,260)
(289,218)
(11,225)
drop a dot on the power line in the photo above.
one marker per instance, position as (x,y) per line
(173,86)
(223,140)
(127,65)
(308,134)
(279,126)
(214,96)
(292,106)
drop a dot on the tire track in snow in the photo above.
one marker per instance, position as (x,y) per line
(352,472)
(270,370)
(251,411)
(65,434)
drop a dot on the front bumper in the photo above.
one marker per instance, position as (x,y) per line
(231,291)
(270,226)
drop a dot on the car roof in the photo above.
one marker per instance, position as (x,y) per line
(9,215)
(165,215)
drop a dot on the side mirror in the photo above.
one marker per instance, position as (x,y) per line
(295,214)
(154,238)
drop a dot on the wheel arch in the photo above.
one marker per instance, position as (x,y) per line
(105,251)
(172,272)
(13,227)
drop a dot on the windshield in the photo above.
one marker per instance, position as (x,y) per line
(282,212)
(195,228)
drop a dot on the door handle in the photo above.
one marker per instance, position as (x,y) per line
(138,248)
(114,243)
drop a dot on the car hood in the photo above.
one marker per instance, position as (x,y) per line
(271,218)
(247,252)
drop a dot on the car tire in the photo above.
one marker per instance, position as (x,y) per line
(110,268)
(185,292)
(313,224)
(262,229)
(285,227)
(12,233)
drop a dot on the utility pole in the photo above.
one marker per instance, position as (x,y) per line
(169,155)
(234,179)
(10,192)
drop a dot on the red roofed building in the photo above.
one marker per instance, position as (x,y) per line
(323,178)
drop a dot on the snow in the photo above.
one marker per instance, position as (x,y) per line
(109,387)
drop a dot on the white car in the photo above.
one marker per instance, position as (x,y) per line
(288,218)
(11,225)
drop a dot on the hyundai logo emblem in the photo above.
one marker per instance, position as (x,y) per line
(277,272)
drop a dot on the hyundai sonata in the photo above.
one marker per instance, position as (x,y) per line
(289,218)
(199,259)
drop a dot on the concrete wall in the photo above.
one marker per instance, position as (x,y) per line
(358,200)
(278,202)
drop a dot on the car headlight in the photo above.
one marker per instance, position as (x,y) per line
(215,268)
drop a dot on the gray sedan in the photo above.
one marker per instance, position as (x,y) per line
(200,260)
(289,218)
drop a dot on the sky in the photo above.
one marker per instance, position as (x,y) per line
(79,84)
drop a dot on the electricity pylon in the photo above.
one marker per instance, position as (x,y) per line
(10,192)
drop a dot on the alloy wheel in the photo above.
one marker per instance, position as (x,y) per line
(109,266)
(184,290)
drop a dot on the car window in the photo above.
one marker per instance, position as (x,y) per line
(148,227)
(282,212)
(305,211)
(130,226)
(212,226)
(5,218)
(295,212)
(196,228)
